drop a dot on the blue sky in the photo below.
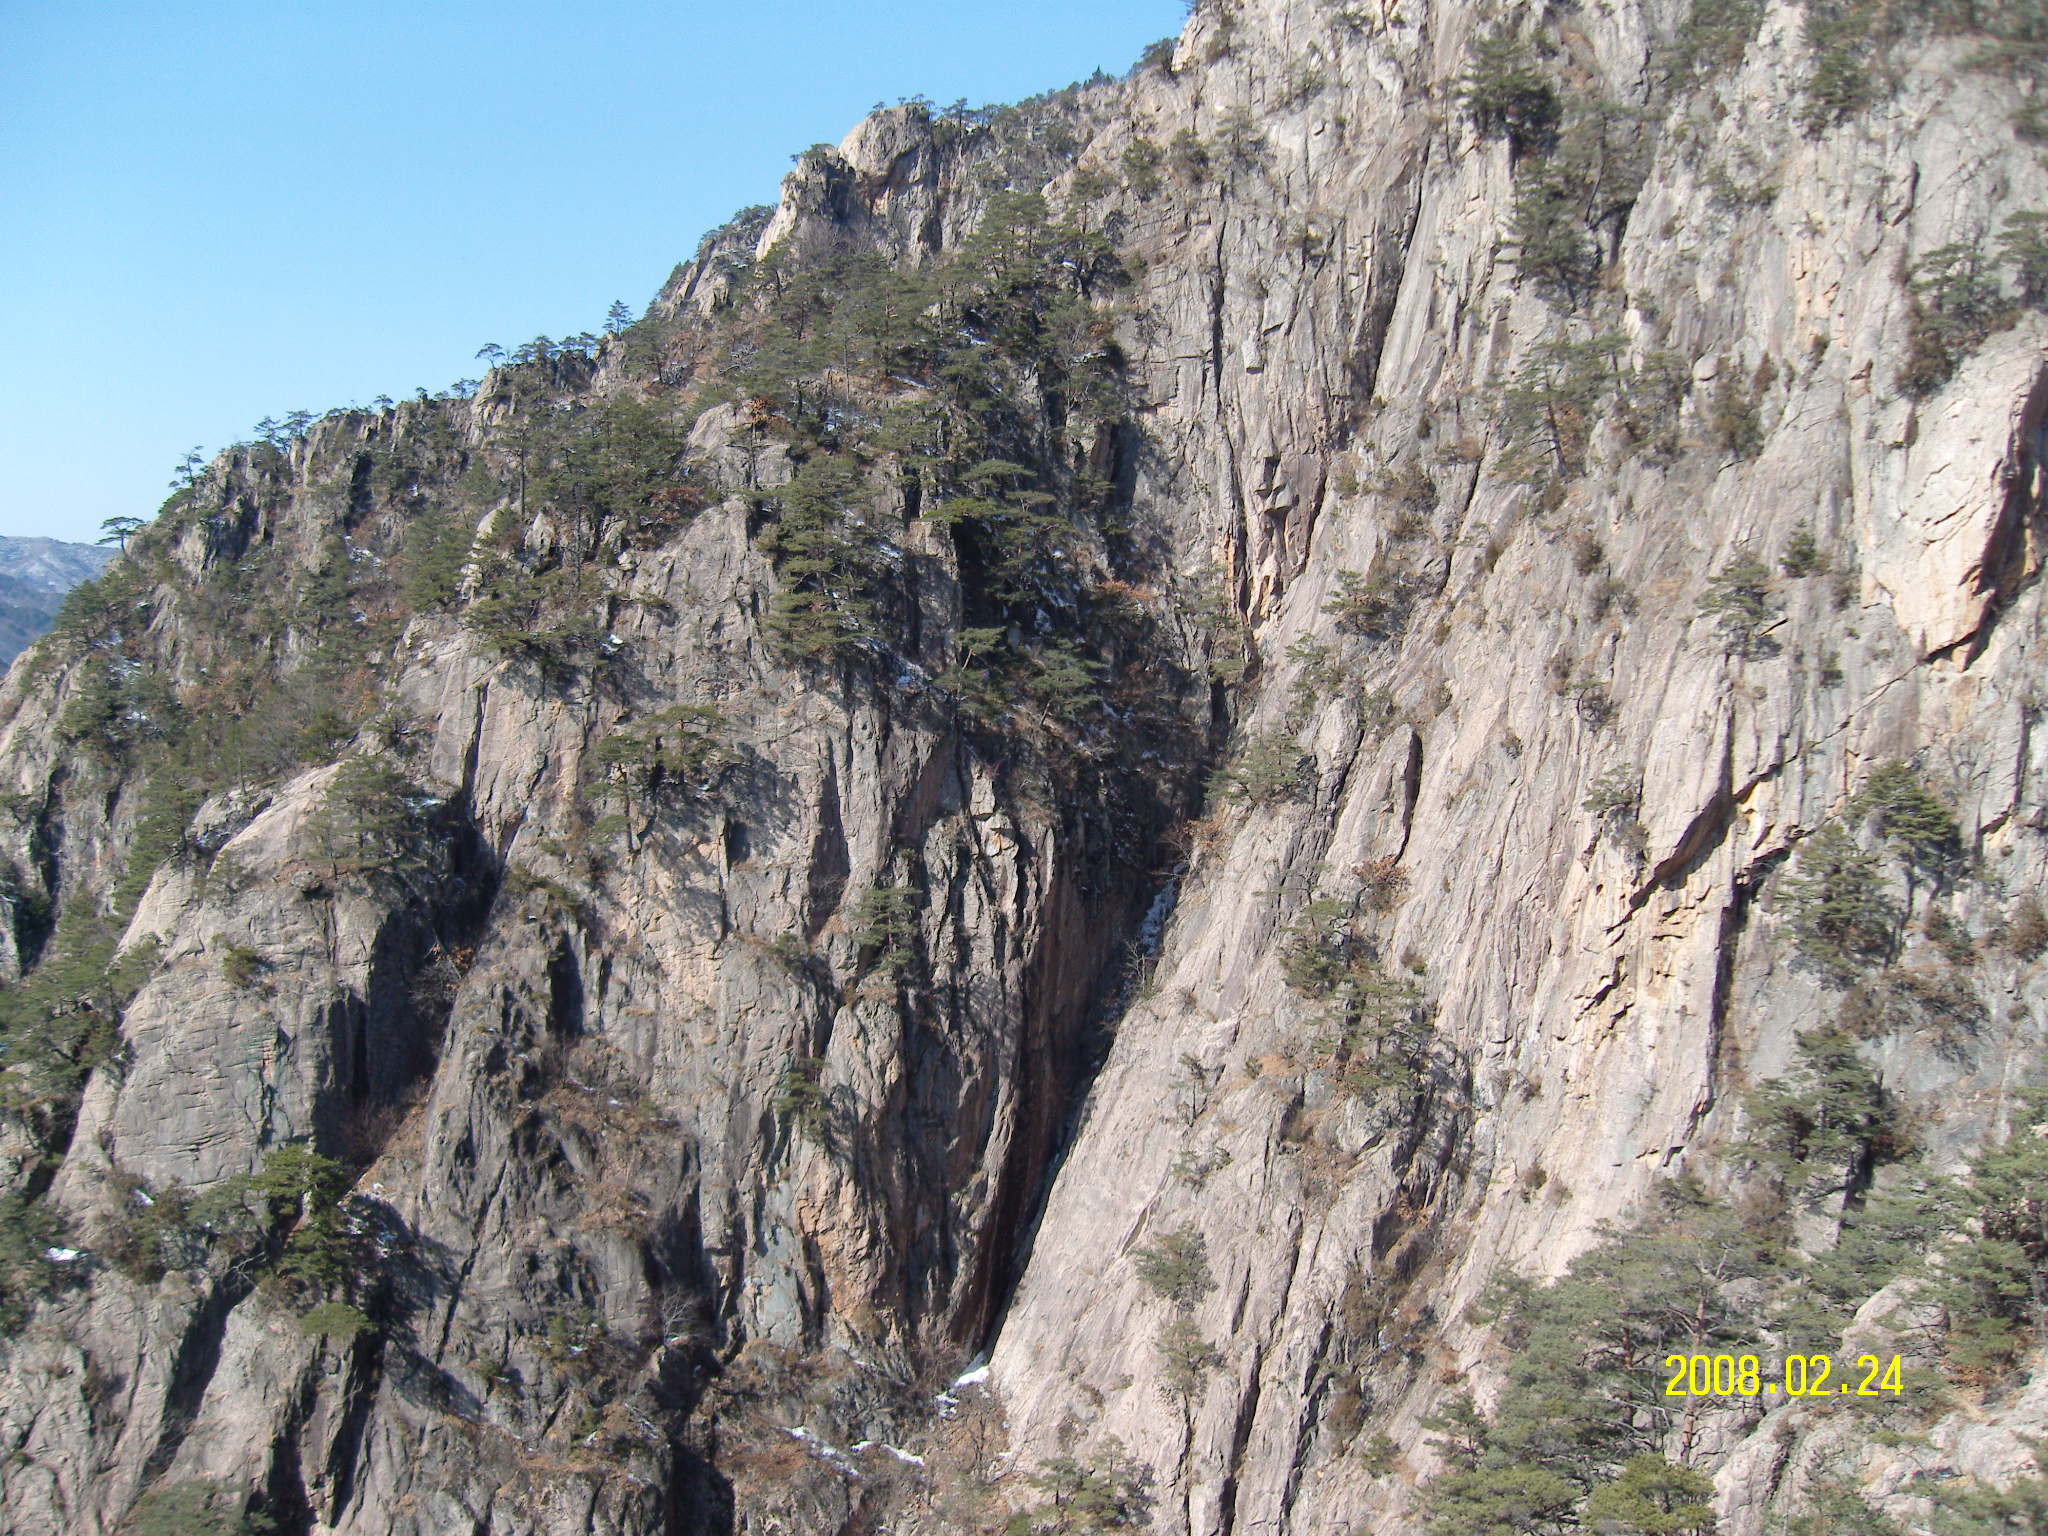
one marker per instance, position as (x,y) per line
(221,211)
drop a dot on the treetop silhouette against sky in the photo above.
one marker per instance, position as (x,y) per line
(226,211)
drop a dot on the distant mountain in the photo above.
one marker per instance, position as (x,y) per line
(51,563)
(34,576)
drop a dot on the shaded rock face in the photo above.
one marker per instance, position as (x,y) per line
(690,1174)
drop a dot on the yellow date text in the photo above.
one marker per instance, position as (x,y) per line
(1793,1376)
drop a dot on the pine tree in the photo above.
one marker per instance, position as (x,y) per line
(119,530)
(1501,1499)
(828,557)
(1818,1127)
(1652,1497)
(1176,1267)
(1841,919)
(436,552)
(1912,818)
(1552,245)
(1957,305)
(196,1509)
(28,1231)
(1553,403)
(1974,1508)
(1738,598)
(1185,1360)
(1503,91)
(364,820)
(1079,1499)
(1583,1401)
(1993,1281)
(1835,1508)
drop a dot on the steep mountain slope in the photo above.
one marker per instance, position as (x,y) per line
(1044,846)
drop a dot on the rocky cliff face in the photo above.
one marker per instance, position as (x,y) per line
(1127,749)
